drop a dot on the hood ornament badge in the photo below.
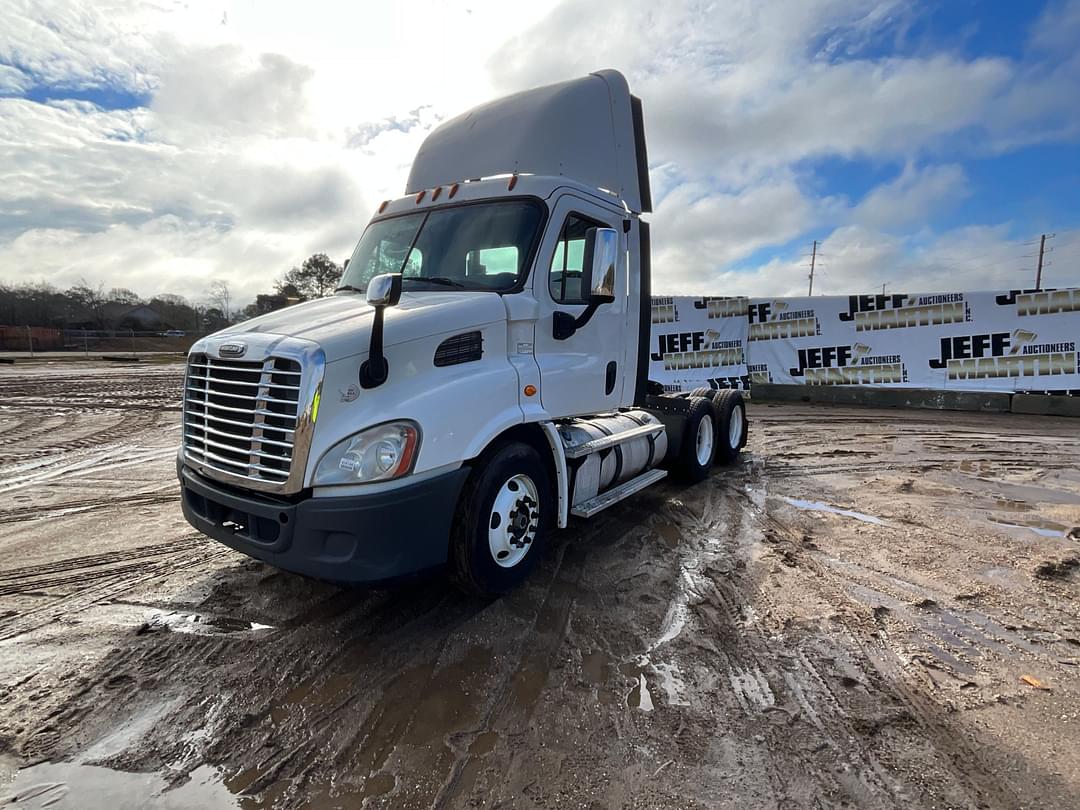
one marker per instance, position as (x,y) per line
(232,349)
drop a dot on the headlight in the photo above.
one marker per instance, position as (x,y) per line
(376,454)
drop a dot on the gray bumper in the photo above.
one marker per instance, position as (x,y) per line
(355,539)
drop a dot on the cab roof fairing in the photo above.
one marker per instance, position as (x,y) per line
(587,129)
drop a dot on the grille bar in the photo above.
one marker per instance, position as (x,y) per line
(249,434)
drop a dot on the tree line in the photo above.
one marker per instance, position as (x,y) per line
(93,307)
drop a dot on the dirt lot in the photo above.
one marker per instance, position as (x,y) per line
(875,609)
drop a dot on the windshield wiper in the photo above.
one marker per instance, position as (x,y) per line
(443,280)
(349,288)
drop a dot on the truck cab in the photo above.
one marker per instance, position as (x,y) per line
(479,377)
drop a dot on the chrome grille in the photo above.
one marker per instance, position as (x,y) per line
(241,417)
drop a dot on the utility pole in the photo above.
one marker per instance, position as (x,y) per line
(1042,252)
(883,286)
(813,261)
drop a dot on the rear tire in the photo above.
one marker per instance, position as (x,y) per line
(698,441)
(731,424)
(702,392)
(504,514)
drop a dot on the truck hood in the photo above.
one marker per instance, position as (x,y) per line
(341,324)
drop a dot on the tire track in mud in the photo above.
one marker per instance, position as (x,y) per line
(780,692)
(889,676)
(98,435)
(78,464)
(95,579)
(23,514)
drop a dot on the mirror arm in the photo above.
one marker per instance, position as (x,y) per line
(375,370)
(565,324)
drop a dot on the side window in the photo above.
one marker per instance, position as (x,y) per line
(565,278)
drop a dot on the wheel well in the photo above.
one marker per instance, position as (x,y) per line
(531,434)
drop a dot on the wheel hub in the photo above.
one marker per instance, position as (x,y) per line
(515,516)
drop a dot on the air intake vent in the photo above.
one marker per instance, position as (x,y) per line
(463,348)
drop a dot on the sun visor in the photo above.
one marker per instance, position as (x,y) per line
(581,129)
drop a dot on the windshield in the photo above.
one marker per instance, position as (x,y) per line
(471,247)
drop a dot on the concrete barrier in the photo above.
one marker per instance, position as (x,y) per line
(985,402)
(1046,405)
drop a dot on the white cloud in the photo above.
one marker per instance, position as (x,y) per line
(913,196)
(272,133)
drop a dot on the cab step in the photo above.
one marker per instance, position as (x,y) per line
(587,509)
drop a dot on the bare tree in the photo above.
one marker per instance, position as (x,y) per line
(220,296)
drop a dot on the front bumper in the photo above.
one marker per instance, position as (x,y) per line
(353,539)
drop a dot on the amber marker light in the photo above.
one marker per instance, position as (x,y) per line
(453,191)
(512,183)
(435,194)
(530,390)
(383,206)
(420,197)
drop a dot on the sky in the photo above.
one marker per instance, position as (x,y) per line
(924,144)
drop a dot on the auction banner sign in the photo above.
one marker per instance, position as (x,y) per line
(1016,340)
(699,342)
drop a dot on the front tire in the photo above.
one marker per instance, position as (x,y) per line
(505,512)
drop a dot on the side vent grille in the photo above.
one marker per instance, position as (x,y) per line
(463,348)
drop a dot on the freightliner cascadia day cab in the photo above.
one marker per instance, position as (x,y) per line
(479,377)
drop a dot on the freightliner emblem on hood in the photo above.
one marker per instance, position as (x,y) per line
(232,349)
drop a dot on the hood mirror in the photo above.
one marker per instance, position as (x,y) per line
(382,291)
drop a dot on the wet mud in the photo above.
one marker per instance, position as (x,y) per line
(872,609)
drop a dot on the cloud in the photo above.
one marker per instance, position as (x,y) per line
(242,148)
(221,87)
(911,197)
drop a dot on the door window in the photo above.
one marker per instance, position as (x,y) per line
(566,264)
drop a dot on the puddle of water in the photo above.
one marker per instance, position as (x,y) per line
(484,743)
(669,679)
(640,697)
(196,623)
(819,506)
(670,534)
(594,667)
(70,786)
(1043,528)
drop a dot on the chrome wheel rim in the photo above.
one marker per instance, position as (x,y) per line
(514,518)
(704,441)
(735,428)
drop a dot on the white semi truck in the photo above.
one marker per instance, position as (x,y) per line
(479,377)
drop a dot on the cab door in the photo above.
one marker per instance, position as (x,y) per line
(583,373)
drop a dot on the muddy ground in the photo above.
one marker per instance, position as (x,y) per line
(874,609)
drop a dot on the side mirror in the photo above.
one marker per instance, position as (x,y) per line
(384,290)
(600,259)
(598,268)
